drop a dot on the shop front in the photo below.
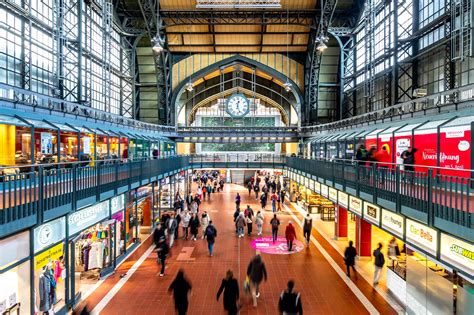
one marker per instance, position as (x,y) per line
(138,215)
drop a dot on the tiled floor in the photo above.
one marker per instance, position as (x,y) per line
(322,289)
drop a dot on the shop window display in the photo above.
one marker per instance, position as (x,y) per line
(68,146)
(15,290)
(50,277)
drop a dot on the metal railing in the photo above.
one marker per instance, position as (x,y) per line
(238,160)
(35,193)
(432,193)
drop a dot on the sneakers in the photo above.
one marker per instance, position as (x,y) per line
(162,274)
(257,295)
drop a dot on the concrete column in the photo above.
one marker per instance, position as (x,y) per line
(340,223)
(363,238)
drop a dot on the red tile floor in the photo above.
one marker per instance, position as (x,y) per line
(322,289)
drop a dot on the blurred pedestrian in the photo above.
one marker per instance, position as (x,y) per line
(379,261)
(349,258)
(256,271)
(230,287)
(274,222)
(290,235)
(259,218)
(290,301)
(181,289)
(210,233)
(307,226)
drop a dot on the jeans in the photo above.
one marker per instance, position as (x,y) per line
(163,261)
(377,273)
(274,234)
(249,228)
(259,228)
(273,207)
(240,230)
(186,232)
(289,243)
(307,235)
(210,247)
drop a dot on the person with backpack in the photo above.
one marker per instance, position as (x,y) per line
(307,226)
(256,272)
(210,233)
(290,301)
(163,251)
(230,287)
(259,222)
(290,235)
(158,235)
(204,221)
(379,261)
(263,200)
(240,223)
(274,222)
(181,289)
(249,212)
(349,258)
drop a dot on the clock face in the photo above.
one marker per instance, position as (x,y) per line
(238,105)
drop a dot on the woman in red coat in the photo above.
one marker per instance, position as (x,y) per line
(290,235)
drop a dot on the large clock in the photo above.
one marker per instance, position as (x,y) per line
(237,105)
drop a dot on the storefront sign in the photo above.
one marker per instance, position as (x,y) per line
(324,190)
(84,218)
(46,143)
(317,187)
(458,253)
(371,213)
(54,253)
(49,233)
(343,199)
(117,203)
(393,222)
(306,182)
(422,236)
(332,194)
(355,205)
(311,185)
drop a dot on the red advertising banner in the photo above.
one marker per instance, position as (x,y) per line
(426,143)
(401,144)
(370,142)
(455,150)
(386,141)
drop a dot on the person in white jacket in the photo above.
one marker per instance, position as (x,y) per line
(259,222)
(185,218)
(204,222)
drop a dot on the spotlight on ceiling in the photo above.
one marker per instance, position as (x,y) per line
(287,86)
(158,44)
(321,47)
(189,87)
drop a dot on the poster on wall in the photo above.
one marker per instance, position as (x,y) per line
(317,187)
(455,150)
(458,253)
(86,145)
(371,141)
(426,144)
(401,144)
(46,143)
(385,141)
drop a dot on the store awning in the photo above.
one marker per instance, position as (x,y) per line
(63,127)
(83,129)
(8,120)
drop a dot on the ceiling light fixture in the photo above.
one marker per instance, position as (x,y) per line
(189,86)
(238,4)
(287,84)
(321,47)
(158,44)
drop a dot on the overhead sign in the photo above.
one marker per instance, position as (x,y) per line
(317,187)
(355,205)
(458,253)
(84,218)
(371,213)
(49,233)
(422,236)
(343,199)
(332,194)
(311,185)
(48,256)
(393,223)
(117,203)
(324,190)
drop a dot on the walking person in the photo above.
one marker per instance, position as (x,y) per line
(307,226)
(408,157)
(194,225)
(181,289)
(256,272)
(274,199)
(256,189)
(274,222)
(240,223)
(204,221)
(349,258)
(210,233)
(199,192)
(259,222)
(249,222)
(290,301)
(250,187)
(282,197)
(379,261)
(236,216)
(158,235)
(290,235)
(263,200)
(163,251)
(204,191)
(230,287)
(172,226)
(237,200)
(185,218)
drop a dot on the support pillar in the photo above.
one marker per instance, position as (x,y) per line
(340,225)
(363,237)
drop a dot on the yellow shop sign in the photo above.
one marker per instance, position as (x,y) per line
(48,256)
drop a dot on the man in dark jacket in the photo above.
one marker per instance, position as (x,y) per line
(290,301)
(379,261)
(210,234)
(230,287)
(256,272)
(163,251)
(181,289)
(408,157)
(158,235)
(349,258)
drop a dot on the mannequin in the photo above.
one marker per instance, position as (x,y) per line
(47,289)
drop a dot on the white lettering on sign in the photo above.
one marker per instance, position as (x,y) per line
(343,199)
(393,223)
(455,134)
(422,236)
(84,218)
(448,157)
(429,156)
(355,205)
(457,253)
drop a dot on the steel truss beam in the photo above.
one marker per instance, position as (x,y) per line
(163,60)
